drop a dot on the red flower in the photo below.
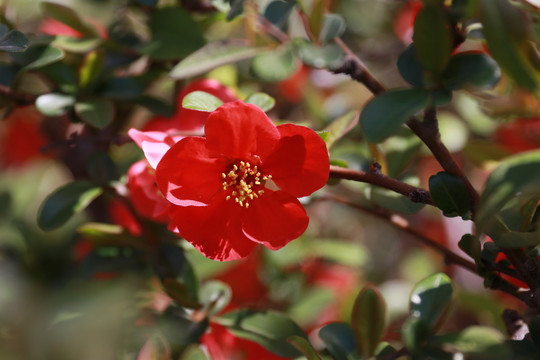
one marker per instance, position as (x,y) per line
(520,135)
(239,186)
(187,119)
(144,193)
(404,20)
(52,26)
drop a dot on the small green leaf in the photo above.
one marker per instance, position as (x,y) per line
(396,202)
(193,352)
(477,342)
(383,115)
(39,56)
(201,101)
(180,293)
(262,100)
(66,201)
(212,56)
(509,37)
(450,194)
(215,295)
(166,25)
(77,45)
(91,68)
(96,112)
(327,56)
(517,239)
(409,67)
(122,88)
(156,106)
(340,127)
(471,246)
(275,65)
(474,69)
(430,299)
(54,104)
(269,329)
(432,38)
(333,26)
(278,11)
(415,332)
(304,346)
(14,41)
(516,174)
(339,340)
(367,321)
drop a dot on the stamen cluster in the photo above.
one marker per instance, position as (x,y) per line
(246,182)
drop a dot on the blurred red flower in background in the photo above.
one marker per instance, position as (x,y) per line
(520,135)
(404,20)
(21,138)
(239,186)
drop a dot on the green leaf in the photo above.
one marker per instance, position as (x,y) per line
(14,41)
(477,342)
(304,346)
(77,45)
(122,88)
(339,340)
(415,332)
(156,106)
(96,112)
(450,194)
(67,16)
(91,68)
(275,65)
(470,244)
(400,150)
(174,34)
(368,319)
(517,239)
(63,76)
(180,293)
(383,115)
(66,201)
(409,67)
(516,174)
(478,70)
(333,26)
(54,104)
(212,56)
(269,329)
(39,56)
(396,202)
(327,56)
(215,295)
(430,299)
(432,38)
(262,100)
(278,11)
(509,38)
(340,127)
(193,352)
(201,101)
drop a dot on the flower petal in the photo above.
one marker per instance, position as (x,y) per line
(299,163)
(215,230)
(154,144)
(240,131)
(188,172)
(274,219)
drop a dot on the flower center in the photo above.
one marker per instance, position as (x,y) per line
(245,181)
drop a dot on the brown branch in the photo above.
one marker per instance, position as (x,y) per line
(20,98)
(376,178)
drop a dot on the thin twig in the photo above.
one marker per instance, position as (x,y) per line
(414,193)
(20,98)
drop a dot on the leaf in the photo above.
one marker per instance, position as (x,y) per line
(432,38)
(91,68)
(517,239)
(215,295)
(174,34)
(96,112)
(275,65)
(450,194)
(156,106)
(430,299)
(66,201)
(39,56)
(339,340)
(333,26)
(470,244)
(415,332)
(269,329)
(122,88)
(534,327)
(237,8)
(383,115)
(477,342)
(391,200)
(516,174)
(54,104)
(368,320)
(193,352)
(340,127)
(278,11)
(14,41)
(213,55)
(475,69)
(77,45)
(262,100)
(328,56)
(409,67)
(180,293)
(305,347)
(67,16)
(201,101)
(508,33)
(400,150)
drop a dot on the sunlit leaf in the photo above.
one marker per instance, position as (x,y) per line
(340,127)
(333,26)
(275,65)
(201,101)
(262,100)
(54,104)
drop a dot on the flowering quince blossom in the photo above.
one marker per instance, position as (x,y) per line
(239,186)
